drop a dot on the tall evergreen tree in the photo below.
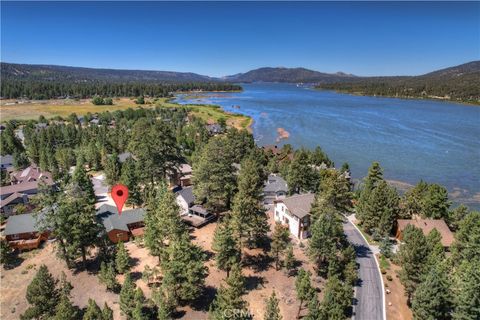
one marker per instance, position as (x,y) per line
(93,311)
(272,310)
(226,247)
(412,256)
(432,298)
(280,241)
(229,301)
(112,169)
(337,299)
(162,221)
(107,276)
(249,219)
(122,259)
(436,203)
(127,296)
(183,270)
(304,289)
(129,178)
(42,295)
(466,290)
(302,176)
(327,233)
(214,177)
(467,238)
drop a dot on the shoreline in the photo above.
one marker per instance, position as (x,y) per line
(361,94)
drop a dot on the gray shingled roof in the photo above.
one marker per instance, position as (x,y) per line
(109,217)
(23,223)
(299,205)
(122,157)
(275,183)
(187,195)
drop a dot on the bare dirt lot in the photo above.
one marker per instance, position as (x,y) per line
(261,280)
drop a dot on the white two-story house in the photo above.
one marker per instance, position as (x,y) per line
(294,212)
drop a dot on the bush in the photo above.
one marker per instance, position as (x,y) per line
(98,101)
(389,277)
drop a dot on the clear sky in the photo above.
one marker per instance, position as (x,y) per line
(223,38)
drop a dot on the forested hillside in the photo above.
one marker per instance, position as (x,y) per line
(46,82)
(460,83)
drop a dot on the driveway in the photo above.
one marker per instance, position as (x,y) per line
(368,302)
(101,191)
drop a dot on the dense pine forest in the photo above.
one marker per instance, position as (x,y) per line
(39,90)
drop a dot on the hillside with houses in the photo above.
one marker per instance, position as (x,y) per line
(215,223)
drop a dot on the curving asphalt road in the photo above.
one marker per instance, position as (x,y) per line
(368,302)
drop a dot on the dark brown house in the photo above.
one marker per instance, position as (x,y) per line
(23,231)
(121,227)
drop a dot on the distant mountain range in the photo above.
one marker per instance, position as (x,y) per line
(39,72)
(459,83)
(294,75)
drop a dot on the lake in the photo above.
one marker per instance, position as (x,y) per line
(412,139)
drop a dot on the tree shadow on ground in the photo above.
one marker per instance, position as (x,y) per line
(253,282)
(258,263)
(204,301)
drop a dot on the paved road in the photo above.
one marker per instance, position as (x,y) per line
(368,303)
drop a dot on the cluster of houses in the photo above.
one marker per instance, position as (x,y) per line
(24,184)
(23,232)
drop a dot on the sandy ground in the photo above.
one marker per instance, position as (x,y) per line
(398,310)
(261,279)
(14,284)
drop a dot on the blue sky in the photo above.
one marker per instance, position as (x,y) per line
(222,38)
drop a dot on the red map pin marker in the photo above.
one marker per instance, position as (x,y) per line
(119,195)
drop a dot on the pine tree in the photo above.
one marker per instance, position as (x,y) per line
(107,276)
(289,261)
(65,309)
(42,294)
(81,179)
(112,169)
(229,298)
(314,312)
(413,201)
(456,216)
(432,297)
(466,291)
(129,178)
(467,238)
(337,299)
(248,214)
(107,312)
(162,221)
(304,289)
(122,259)
(327,233)
(272,310)
(374,177)
(225,246)
(380,210)
(214,177)
(280,241)
(412,257)
(5,252)
(93,311)
(138,313)
(335,191)
(436,203)
(127,296)
(301,175)
(183,271)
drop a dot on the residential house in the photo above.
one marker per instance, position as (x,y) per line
(24,184)
(214,129)
(23,231)
(181,177)
(119,227)
(279,153)
(6,162)
(193,214)
(275,188)
(426,225)
(294,212)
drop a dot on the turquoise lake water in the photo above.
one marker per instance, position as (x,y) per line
(412,139)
